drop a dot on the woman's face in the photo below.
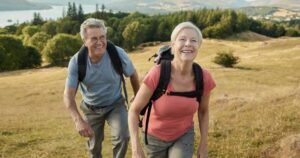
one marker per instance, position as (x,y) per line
(186,45)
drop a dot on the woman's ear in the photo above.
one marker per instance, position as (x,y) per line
(83,40)
(172,43)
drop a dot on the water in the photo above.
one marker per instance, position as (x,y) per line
(12,17)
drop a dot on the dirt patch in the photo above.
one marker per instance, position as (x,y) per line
(288,147)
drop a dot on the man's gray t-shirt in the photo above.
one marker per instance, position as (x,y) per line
(102,84)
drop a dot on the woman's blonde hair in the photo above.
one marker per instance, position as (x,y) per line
(185,25)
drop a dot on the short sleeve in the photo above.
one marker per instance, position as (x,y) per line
(152,78)
(72,78)
(209,82)
(127,65)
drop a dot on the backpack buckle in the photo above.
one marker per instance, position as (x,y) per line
(166,92)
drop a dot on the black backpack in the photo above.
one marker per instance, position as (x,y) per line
(114,57)
(164,57)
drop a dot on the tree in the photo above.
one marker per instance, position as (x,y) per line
(15,55)
(80,14)
(102,8)
(37,19)
(2,57)
(11,29)
(292,33)
(133,35)
(74,11)
(28,32)
(33,58)
(68,26)
(60,48)
(39,40)
(163,30)
(69,12)
(50,27)
(97,12)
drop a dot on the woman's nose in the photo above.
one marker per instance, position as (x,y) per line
(187,43)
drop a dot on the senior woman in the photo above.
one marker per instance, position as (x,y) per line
(171,127)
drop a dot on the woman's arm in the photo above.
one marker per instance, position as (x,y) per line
(203,117)
(142,97)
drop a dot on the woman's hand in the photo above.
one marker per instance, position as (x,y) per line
(138,154)
(202,151)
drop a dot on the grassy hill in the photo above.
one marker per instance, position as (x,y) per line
(254,111)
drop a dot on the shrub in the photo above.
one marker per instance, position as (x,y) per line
(226,59)
(60,48)
(33,58)
(292,33)
(15,56)
(39,40)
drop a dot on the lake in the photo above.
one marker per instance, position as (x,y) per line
(19,16)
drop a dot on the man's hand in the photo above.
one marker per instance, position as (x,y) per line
(84,129)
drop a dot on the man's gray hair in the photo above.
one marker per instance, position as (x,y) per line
(91,23)
(185,25)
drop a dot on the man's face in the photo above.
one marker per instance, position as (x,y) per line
(95,41)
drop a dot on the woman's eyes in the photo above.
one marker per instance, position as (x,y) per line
(183,39)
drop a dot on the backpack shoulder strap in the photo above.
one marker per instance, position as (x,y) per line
(199,80)
(82,61)
(164,79)
(117,64)
(114,57)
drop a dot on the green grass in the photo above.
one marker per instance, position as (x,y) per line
(254,106)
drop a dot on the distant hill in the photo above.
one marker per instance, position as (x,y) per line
(291,4)
(21,5)
(161,6)
(272,13)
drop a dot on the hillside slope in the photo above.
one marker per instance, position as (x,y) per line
(253,111)
(21,5)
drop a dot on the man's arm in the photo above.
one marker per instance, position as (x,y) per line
(134,80)
(82,126)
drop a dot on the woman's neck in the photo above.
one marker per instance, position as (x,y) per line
(183,68)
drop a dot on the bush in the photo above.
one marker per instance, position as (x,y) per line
(292,33)
(226,59)
(39,40)
(33,58)
(28,32)
(61,48)
(15,56)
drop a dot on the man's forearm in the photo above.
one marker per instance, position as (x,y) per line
(72,108)
(134,80)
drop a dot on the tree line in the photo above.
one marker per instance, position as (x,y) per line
(56,41)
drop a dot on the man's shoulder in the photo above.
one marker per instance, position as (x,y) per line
(120,50)
(74,59)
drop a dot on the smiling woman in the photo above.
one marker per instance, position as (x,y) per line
(171,128)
